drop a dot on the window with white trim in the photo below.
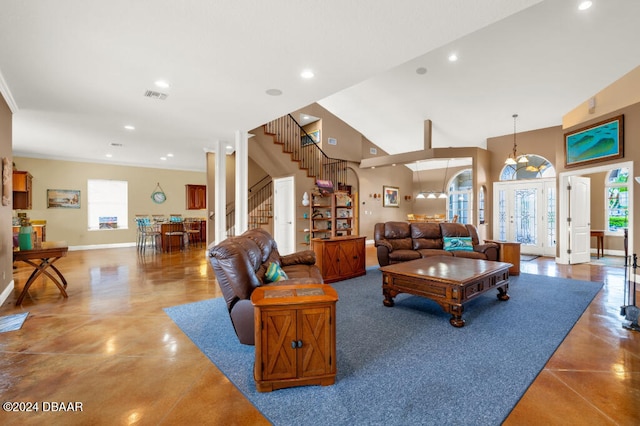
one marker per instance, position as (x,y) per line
(616,193)
(107,204)
(460,194)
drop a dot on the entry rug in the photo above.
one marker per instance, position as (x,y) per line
(406,365)
(12,322)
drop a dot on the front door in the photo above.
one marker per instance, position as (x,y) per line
(524,211)
(284,214)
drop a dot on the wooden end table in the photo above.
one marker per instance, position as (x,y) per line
(510,253)
(295,340)
(43,258)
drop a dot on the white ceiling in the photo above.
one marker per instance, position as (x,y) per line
(75,71)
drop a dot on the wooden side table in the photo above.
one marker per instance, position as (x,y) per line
(509,253)
(599,242)
(295,336)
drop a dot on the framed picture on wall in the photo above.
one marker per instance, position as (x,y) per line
(390,197)
(311,137)
(602,141)
(63,199)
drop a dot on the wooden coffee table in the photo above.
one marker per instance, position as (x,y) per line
(449,281)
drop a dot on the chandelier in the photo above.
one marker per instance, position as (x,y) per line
(431,194)
(513,158)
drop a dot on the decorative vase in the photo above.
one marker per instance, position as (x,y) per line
(305,199)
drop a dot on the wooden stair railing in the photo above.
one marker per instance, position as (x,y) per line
(259,206)
(300,145)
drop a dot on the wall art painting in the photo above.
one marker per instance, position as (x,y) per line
(63,198)
(390,197)
(602,141)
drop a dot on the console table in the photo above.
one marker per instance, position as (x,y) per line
(42,259)
(295,335)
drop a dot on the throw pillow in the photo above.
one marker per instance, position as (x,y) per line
(275,273)
(458,243)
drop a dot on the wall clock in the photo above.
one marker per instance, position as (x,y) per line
(158,196)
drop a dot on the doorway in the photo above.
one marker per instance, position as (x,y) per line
(284,214)
(564,204)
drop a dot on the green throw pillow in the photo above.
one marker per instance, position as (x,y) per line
(275,273)
(458,243)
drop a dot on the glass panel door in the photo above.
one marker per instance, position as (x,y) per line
(525,215)
(525,211)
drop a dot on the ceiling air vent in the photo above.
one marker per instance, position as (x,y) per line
(155,95)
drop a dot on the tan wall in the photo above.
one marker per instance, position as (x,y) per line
(6,235)
(371,210)
(348,140)
(622,93)
(71,224)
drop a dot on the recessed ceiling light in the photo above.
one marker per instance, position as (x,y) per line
(129,127)
(307,74)
(229,147)
(169,155)
(305,117)
(109,155)
(585,5)
(421,70)
(274,92)
(163,158)
(453,57)
(161,83)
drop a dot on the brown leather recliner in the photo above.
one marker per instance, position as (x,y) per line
(240,264)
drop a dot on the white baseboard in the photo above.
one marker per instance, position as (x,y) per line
(101,246)
(7,291)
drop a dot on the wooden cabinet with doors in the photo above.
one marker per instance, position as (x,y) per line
(22,190)
(295,328)
(196,196)
(340,258)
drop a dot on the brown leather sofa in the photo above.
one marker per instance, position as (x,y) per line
(240,264)
(402,241)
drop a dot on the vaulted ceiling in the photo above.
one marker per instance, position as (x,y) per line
(75,72)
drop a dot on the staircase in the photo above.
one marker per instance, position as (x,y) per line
(259,206)
(302,149)
(300,145)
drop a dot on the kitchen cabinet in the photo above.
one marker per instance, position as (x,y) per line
(22,190)
(196,196)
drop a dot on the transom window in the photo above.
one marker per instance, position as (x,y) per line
(617,196)
(538,167)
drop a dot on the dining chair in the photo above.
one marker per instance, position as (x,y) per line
(174,233)
(146,232)
(192,228)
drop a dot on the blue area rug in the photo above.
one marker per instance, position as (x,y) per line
(12,322)
(406,364)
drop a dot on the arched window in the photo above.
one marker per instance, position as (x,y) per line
(459,200)
(538,167)
(617,196)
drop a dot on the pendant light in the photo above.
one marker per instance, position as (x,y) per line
(513,159)
(444,182)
